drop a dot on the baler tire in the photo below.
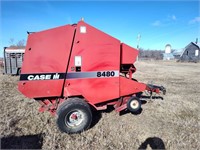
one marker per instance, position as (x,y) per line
(134,104)
(74,107)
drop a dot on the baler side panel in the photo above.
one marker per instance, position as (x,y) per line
(99,52)
(129,54)
(128,87)
(46,57)
(93,90)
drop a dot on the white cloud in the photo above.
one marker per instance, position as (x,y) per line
(156,23)
(195,20)
(166,21)
(173,17)
(170,18)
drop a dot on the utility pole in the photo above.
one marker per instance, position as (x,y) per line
(138,40)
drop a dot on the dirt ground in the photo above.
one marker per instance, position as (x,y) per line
(171,123)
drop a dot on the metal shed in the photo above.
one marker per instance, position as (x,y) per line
(13,58)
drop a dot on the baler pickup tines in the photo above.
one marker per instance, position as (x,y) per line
(155,88)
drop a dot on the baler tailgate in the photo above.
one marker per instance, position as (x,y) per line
(45,61)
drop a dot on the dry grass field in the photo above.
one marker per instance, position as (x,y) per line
(171,123)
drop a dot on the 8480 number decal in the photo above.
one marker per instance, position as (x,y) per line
(105,74)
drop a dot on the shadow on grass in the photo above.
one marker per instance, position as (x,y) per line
(153,142)
(142,97)
(22,142)
(123,112)
(97,115)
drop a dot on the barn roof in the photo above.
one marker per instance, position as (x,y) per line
(178,52)
(197,44)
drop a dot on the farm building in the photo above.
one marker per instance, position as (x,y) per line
(177,53)
(168,56)
(168,53)
(191,53)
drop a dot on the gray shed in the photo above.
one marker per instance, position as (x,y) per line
(191,53)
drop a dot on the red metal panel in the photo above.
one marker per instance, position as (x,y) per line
(129,54)
(128,87)
(49,50)
(99,52)
(42,88)
(46,52)
(94,90)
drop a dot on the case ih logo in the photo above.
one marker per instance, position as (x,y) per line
(43,77)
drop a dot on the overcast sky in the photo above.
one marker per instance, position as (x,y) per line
(158,22)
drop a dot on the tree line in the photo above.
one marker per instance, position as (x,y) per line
(18,44)
(150,54)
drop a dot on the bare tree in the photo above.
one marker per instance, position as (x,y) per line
(11,42)
(150,54)
(21,43)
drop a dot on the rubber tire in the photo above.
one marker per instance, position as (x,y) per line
(131,109)
(68,106)
(19,71)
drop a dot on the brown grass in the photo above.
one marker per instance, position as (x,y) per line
(174,120)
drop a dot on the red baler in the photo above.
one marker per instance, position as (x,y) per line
(73,68)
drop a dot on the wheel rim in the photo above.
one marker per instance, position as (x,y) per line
(74,118)
(134,104)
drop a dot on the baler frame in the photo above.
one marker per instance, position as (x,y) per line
(119,104)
